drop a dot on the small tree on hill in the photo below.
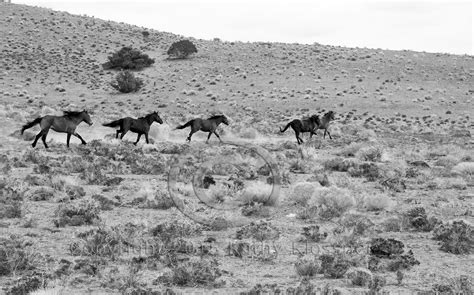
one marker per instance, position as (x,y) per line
(181,49)
(128,58)
(126,82)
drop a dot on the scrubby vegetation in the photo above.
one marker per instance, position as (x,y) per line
(126,82)
(181,49)
(128,58)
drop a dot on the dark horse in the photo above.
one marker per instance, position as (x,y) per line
(303,125)
(209,125)
(140,125)
(64,124)
(324,123)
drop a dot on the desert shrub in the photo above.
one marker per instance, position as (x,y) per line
(312,233)
(388,254)
(377,202)
(457,285)
(357,222)
(302,192)
(181,49)
(392,224)
(77,214)
(255,209)
(350,150)
(417,219)
(259,231)
(368,170)
(334,266)
(338,164)
(258,192)
(171,230)
(360,277)
(372,154)
(456,237)
(98,242)
(464,168)
(202,272)
(307,266)
(15,257)
(128,58)
(10,203)
(333,202)
(27,284)
(126,82)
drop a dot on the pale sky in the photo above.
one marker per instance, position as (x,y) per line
(421,25)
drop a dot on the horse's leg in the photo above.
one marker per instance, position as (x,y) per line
(43,138)
(146,138)
(36,138)
(117,133)
(138,138)
(208,136)
(217,135)
(123,134)
(329,134)
(325,131)
(68,139)
(189,136)
(78,136)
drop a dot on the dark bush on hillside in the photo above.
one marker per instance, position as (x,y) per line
(126,82)
(456,237)
(128,58)
(181,49)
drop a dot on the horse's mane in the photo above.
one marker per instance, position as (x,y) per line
(216,117)
(72,113)
(144,117)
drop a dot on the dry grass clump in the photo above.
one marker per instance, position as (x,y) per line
(464,168)
(259,231)
(196,272)
(350,150)
(333,202)
(15,257)
(11,201)
(84,212)
(377,202)
(258,192)
(371,154)
(307,266)
(302,192)
(458,285)
(168,231)
(339,164)
(98,242)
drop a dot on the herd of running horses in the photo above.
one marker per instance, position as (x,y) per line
(69,121)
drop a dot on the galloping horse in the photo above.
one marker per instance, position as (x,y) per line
(303,125)
(140,125)
(324,123)
(64,124)
(210,125)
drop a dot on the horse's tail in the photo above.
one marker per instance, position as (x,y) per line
(113,123)
(286,127)
(185,125)
(31,124)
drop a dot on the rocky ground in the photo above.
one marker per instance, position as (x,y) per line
(385,206)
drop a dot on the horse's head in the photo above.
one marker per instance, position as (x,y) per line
(86,118)
(330,115)
(225,120)
(156,117)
